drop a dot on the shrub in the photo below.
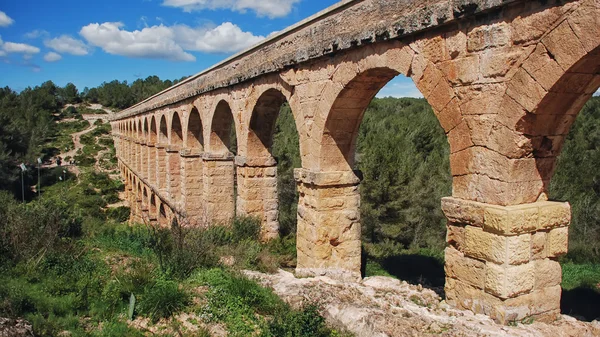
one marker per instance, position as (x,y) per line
(245,228)
(305,323)
(162,300)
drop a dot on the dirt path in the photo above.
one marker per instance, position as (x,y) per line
(77,142)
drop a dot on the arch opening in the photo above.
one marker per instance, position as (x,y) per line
(195,139)
(222,135)
(176,130)
(262,123)
(402,153)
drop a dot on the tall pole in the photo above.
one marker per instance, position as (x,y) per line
(22,186)
(39,182)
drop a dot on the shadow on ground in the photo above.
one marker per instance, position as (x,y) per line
(416,269)
(582,303)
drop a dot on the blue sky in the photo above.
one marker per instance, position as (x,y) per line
(89,42)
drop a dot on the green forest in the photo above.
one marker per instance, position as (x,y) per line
(69,261)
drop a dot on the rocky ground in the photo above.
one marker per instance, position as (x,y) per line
(383,306)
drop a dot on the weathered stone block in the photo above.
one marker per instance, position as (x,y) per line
(554,214)
(489,36)
(507,281)
(538,245)
(497,248)
(564,45)
(548,273)
(463,211)
(463,268)
(557,242)
(511,220)
(455,236)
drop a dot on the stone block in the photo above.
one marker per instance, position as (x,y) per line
(506,281)
(525,90)
(545,299)
(554,214)
(463,211)
(463,268)
(461,71)
(484,245)
(455,236)
(488,36)
(564,45)
(548,273)
(557,242)
(538,245)
(511,220)
(497,248)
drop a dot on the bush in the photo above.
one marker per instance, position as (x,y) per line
(28,230)
(119,214)
(162,300)
(305,323)
(245,228)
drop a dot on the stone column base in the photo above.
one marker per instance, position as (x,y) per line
(501,261)
(192,186)
(328,234)
(257,193)
(218,179)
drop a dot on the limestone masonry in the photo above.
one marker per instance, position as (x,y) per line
(506,79)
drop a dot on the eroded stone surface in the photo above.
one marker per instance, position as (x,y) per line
(383,306)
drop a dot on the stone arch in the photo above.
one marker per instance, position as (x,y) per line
(220,128)
(262,123)
(152,135)
(163,137)
(145,197)
(194,136)
(139,133)
(354,84)
(541,102)
(162,215)
(153,208)
(338,142)
(176,130)
(145,129)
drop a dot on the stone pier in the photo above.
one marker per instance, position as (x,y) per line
(192,186)
(257,192)
(219,173)
(328,230)
(501,261)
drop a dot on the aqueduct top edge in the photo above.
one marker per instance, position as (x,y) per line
(345,25)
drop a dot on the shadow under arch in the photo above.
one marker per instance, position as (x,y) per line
(262,123)
(194,136)
(223,132)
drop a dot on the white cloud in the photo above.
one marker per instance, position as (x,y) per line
(52,57)
(597,93)
(167,42)
(2,53)
(152,42)
(225,38)
(34,34)
(270,8)
(5,20)
(11,47)
(68,45)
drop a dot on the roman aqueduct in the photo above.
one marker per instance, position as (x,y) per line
(505,78)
